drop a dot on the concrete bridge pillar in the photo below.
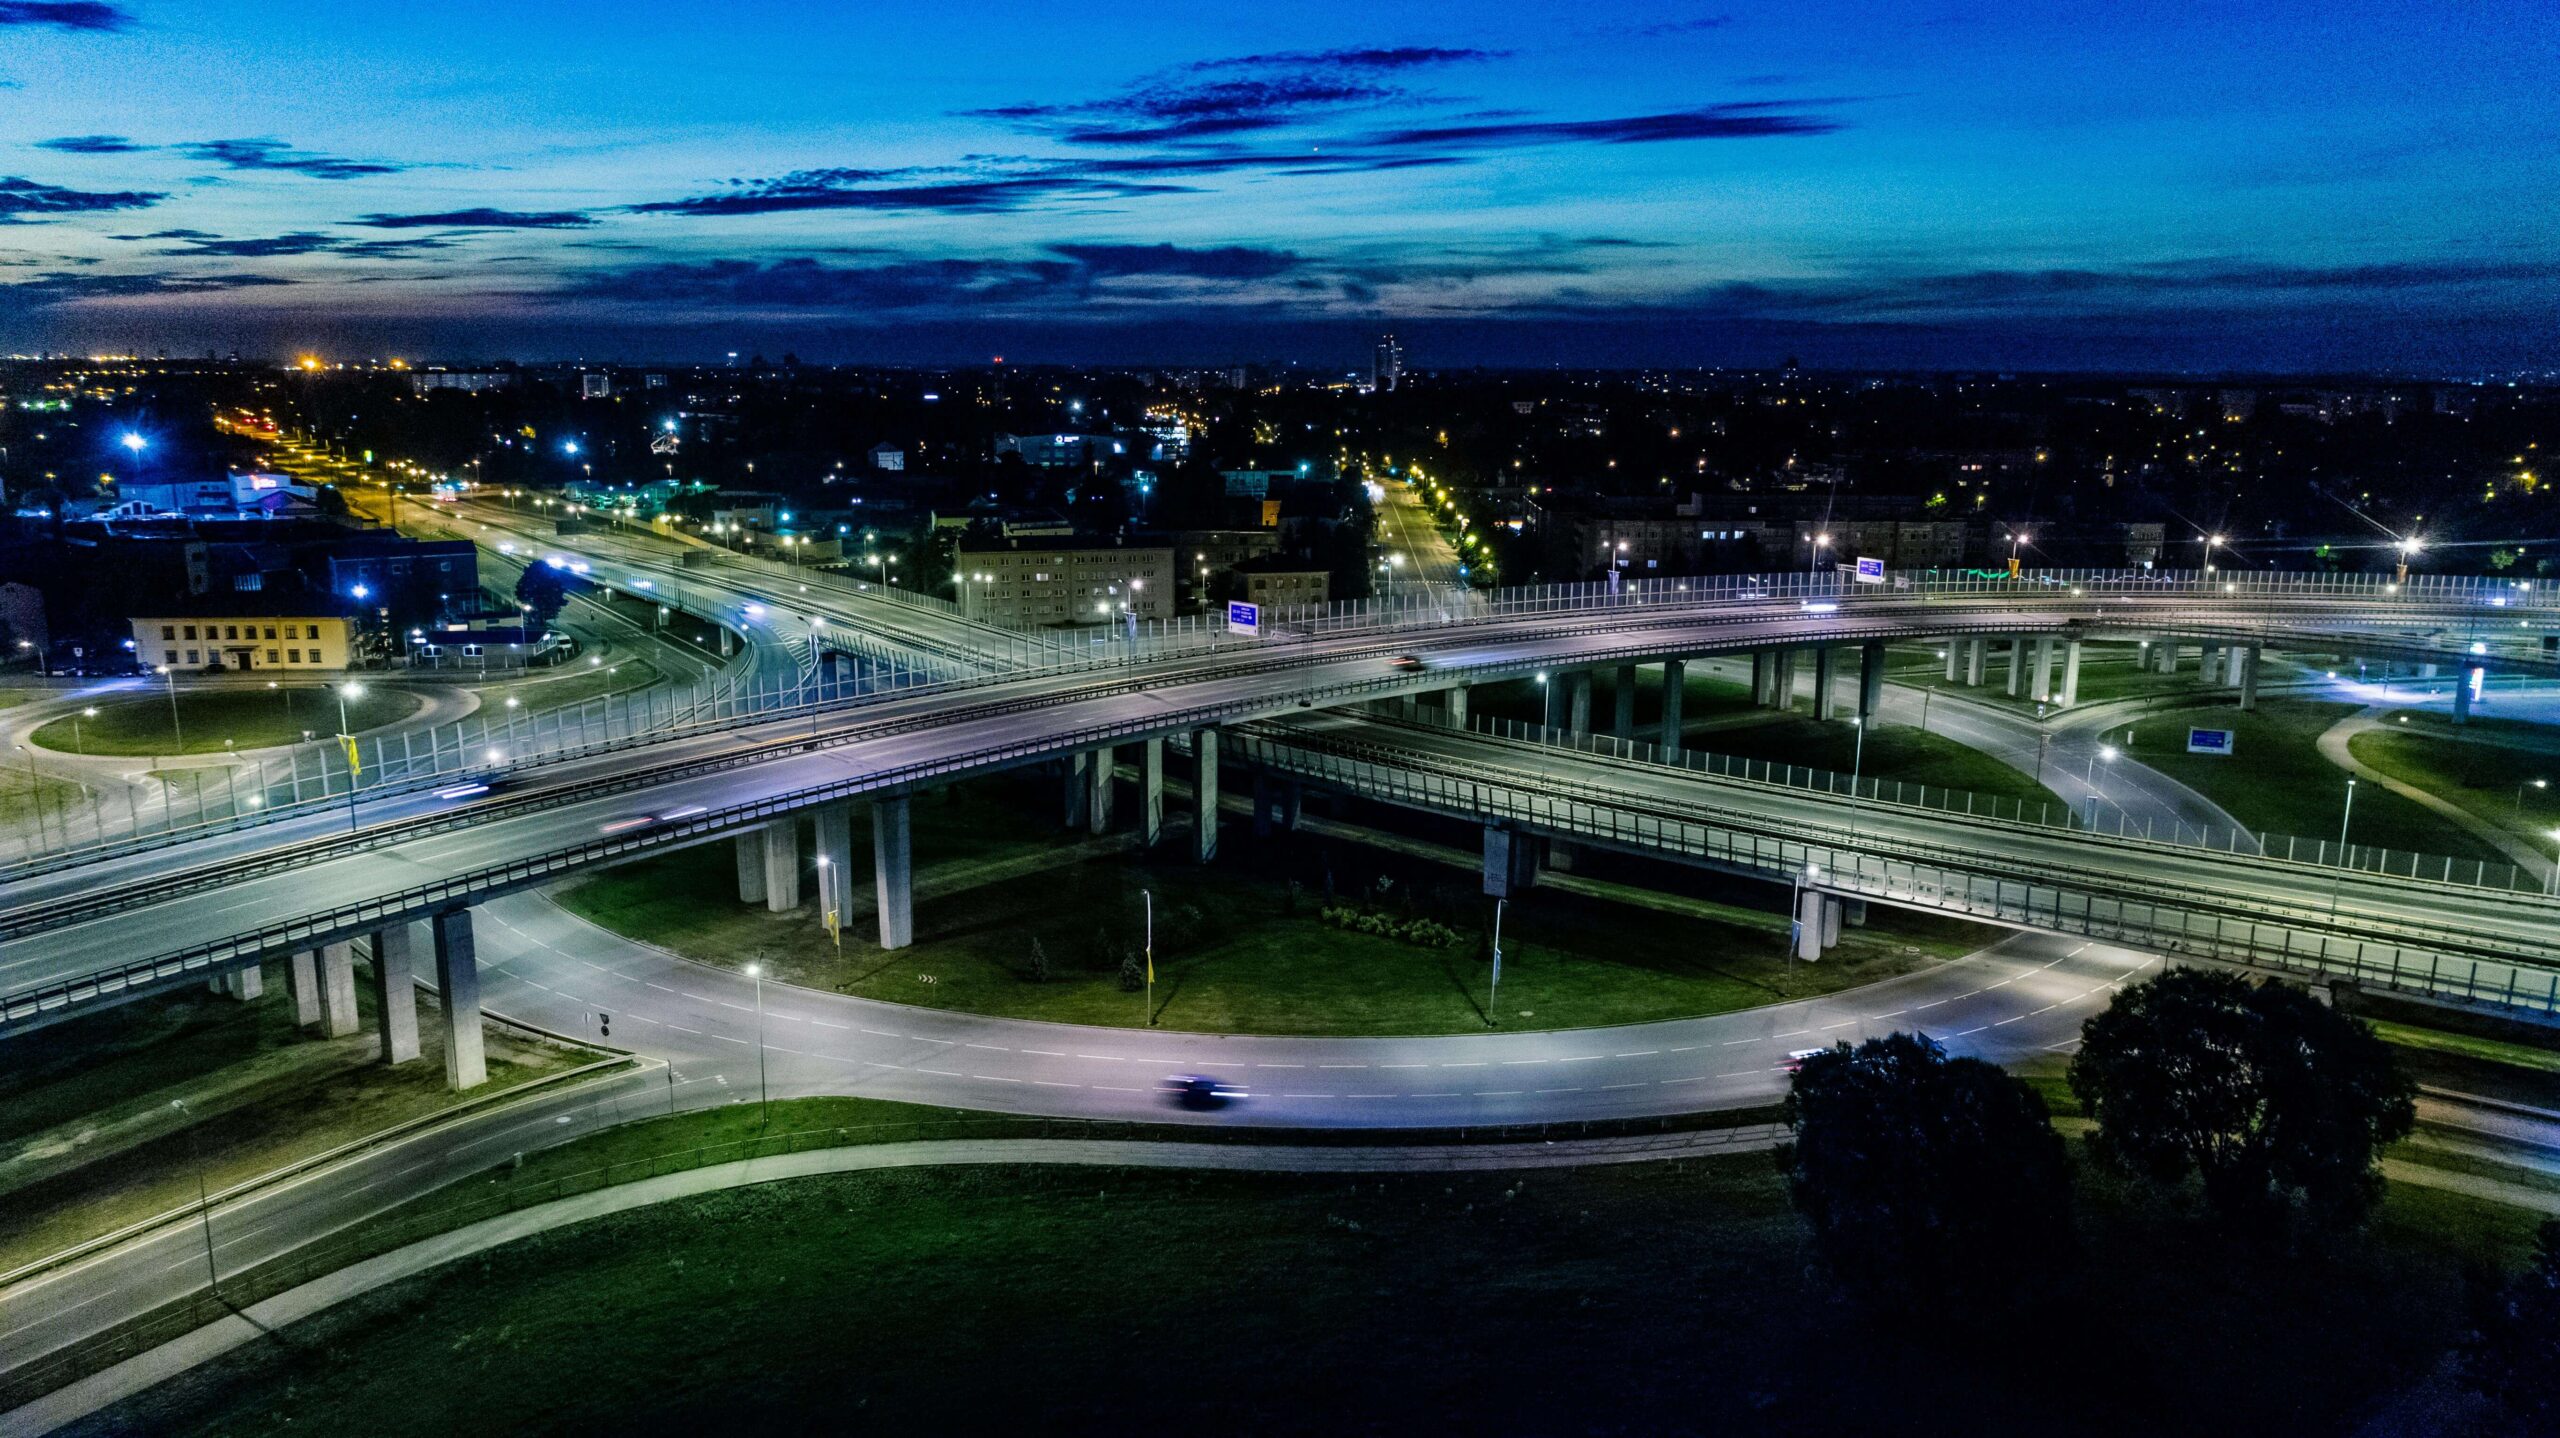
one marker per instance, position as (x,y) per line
(1079,789)
(893,871)
(1151,792)
(395,993)
(1552,718)
(1764,670)
(2167,652)
(2044,668)
(1577,717)
(781,864)
(2070,692)
(302,985)
(1832,909)
(243,983)
(832,828)
(1675,681)
(1955,658)
(750,847)
(1510,862)
(2464,678)
(1808,925)
(466,1063)
(1826,680)
(2017,675)
(2209,666)
(1977,660)
(1204,795)
(337,989)
(1622,697)
(1105,771)
(1782,694)
(728,642)
(1870,680)
(2247,661)
(1455,701)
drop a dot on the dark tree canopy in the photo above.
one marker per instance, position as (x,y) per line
(543,593)
(2270,1097)
(2514,1357)
(1925,1178)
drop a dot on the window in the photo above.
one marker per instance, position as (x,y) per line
(271,631)
(318,658)
(191,631)
(191,657)
(293,656)
(168,631)
(173,656)
(293,631)
(271,656)
(231,631)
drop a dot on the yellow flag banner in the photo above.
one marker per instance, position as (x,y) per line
(354,765)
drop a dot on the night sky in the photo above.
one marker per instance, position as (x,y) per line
(2269,185)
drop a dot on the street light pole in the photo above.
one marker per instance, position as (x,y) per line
(764,1093)
(2340,877)
(346,735)
(1150,896)
(1493,991)
(204,1204)
(177,729)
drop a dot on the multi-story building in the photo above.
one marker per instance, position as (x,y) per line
(1037,582)
(236,635)
(1279,589)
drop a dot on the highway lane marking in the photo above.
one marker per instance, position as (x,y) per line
(1580,1058)
(679,1028)
(724,1038)
(1404,1066)
(1310,1095)
(1515,1063)
(1844,1023)
(992,1048)
(1103,1058)
(1046,1053)
(937,1073)
(1470,1064)
(1545,1091)
(1453,1093)
(1607,1086)
(1666,1083)
(822,1023)
(994,1078)
(1341,1066)
(1637,1054)
(1053,1083)
(1497,1093)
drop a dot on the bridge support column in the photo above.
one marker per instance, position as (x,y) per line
(2167,650)
(750,846)
(1079,789)
(1105,769)
(1622,698)
(1510,862)
(1455,702)
(1763,670)
(2017,675)
(1675,684)
(1831,915)
(2209,666)
(832,828)
(1204,794)
(1151,793)
(728,642)
(1782,693)
(243,984)
(395,993)
(893,871)
(2464,678)
(1808,928)
(466,1063)
(338,989)
(1552,718)
(2248,663)
(782,864)
(1853,912)
(1955,658)
(1977,660)
(2070,693)
(1870,680)
(1826,680)
(2044,669)
(1577,717)
(302,985)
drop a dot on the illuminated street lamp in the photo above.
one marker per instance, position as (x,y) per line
(2407,547)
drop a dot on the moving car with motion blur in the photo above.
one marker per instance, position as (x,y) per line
(1200,1092)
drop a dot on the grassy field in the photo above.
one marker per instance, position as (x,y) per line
(252,718)
(25,798)
(89,1142)
(2487,767)
(571,686)
(1236,951)
(2277,780)
(1655,1298)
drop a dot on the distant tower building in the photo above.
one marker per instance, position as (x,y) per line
(596,384)
(1386,366)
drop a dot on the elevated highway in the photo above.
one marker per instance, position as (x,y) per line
(321,875)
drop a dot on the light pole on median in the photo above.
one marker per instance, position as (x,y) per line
(177,730)
(764,1093)
(347,737)
(79,744)
(1150,896)
(204,1204)
(2555,868)
(1493,990)
(2343,819)
(2529,784)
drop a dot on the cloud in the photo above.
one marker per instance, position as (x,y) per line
(1738,120)
(855,190)
(1695,24)
(1247,93)
(23,199)
(45,291)
(170,235)
(483,219)
(297,242)
(1228,262)
(91,145)
(67,15)
(277,155)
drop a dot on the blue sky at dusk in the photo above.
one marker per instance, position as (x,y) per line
(2271,185)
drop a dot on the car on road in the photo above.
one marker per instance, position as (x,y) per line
(476,785)
(649,821)
(1407,664)
(1201,1092)
(1795,1060)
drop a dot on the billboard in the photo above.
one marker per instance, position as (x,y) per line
(1243,618)
(2208,741)
(1870,571)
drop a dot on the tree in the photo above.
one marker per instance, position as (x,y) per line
(543,593)
(2268,1096)
(2514,1356)
(1925,1179)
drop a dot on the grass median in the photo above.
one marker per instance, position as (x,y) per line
(1014,920)
(248,715)
(1665,1297)
(2504,772)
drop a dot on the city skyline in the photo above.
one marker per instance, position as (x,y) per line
(2291,188)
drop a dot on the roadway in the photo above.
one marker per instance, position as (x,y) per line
(893,740)
(1418,554)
